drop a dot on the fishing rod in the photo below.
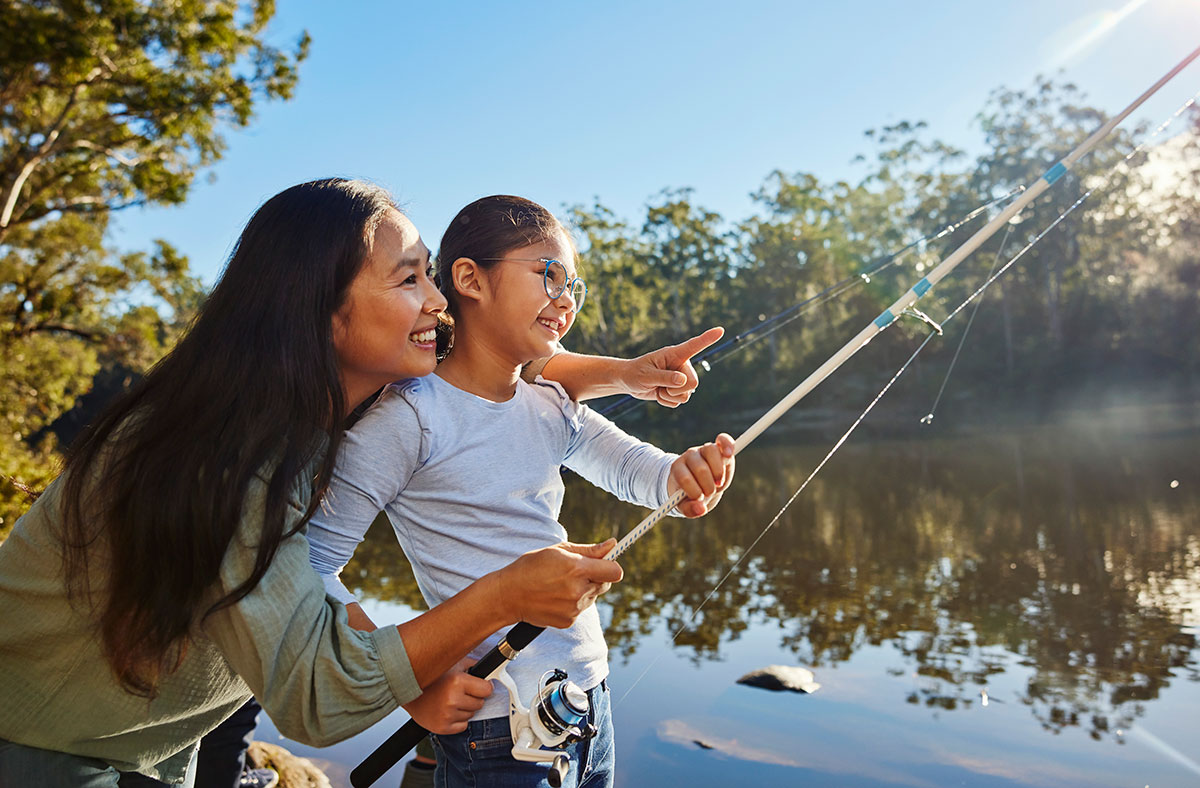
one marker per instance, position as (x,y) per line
(976,296)
(774,323)
(403,740)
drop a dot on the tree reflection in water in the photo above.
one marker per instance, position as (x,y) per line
(1064,551)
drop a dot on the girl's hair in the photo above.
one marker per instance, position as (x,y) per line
(485,231)
(159,482)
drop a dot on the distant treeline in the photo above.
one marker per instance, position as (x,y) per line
(1109,299)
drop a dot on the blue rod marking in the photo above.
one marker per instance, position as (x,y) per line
(1055,172)
(885,320)
(922,287)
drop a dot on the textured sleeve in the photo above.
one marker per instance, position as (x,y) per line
(614,460)
(530,371)
(319,679)
(377,458)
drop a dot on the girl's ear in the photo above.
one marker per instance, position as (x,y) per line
(468,278)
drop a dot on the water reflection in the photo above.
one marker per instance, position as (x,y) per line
(1062,556)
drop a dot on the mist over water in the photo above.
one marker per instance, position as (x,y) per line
(1015,608)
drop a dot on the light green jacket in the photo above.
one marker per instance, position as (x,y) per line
(286,642)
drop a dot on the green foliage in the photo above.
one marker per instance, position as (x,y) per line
(1104,298)
(104,105)
(111,103)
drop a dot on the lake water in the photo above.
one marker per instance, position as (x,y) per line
(1018,608)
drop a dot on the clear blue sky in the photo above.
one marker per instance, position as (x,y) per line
(443,102)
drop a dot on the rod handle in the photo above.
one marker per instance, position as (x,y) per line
(411,733)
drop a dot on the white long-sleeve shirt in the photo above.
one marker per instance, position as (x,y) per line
(469,485)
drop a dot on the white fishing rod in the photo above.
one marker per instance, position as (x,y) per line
(492,664)
(905,302)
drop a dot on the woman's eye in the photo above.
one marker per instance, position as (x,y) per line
(410,280)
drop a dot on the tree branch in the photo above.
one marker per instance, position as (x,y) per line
(63,328)
(112,154)
(49,137)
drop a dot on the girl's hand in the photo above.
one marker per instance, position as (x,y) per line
(667,374)
(447,705)
(551,586)
(703,473)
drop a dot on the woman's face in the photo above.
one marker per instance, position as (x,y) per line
(385,330)
(530,321)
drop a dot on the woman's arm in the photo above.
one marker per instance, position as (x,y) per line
(547,588)
(531,589)
(665,374)
(321,680)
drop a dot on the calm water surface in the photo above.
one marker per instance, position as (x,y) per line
(1015,609)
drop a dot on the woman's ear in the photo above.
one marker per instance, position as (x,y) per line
(468,278)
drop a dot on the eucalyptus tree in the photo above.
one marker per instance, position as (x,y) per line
(104,105)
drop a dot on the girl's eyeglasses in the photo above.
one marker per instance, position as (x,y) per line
(554,279)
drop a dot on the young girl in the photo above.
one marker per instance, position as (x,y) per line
(466,464)
(165,576)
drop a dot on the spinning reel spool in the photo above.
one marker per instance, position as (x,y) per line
(555,720)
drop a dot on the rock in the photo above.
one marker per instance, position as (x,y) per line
(781,677)
(294,772)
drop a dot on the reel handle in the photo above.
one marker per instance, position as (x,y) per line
(411,733)
(558,771)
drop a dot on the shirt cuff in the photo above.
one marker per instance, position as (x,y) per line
(336,589)
(664,485)
(396,667)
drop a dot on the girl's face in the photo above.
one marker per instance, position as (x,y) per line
(385,330)
(528,320)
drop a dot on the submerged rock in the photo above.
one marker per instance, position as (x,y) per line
(781,677)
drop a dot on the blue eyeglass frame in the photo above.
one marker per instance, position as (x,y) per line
(568,283)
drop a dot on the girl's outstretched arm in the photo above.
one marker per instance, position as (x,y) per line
(665,375)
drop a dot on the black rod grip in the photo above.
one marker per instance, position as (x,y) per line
(410,734)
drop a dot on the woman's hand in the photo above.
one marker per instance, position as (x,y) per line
(667,374)
(703,473)
(447,705)
(551,586)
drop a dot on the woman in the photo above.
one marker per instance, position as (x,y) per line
(164,576)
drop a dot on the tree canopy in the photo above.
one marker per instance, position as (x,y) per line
(105,105)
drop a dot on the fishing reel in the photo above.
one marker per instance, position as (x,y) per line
(556,719)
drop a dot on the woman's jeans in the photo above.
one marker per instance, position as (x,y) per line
(30,766)
(482,754)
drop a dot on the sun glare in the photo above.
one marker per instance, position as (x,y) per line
(1090,30)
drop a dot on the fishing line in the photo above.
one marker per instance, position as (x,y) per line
(988,282)
(928,418)
(520,636)
(627,404)
(992,277)
(780,513)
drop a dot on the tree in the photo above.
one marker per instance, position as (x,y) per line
(104,105)
(111,103)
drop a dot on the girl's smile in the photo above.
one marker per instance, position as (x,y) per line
(518,299)
(556,325)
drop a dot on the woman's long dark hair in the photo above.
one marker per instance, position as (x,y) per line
(156,487)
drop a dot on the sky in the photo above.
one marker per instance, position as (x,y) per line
(569,102)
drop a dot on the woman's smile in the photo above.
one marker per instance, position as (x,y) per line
(424,338)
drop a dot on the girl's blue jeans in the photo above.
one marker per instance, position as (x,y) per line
(482,754)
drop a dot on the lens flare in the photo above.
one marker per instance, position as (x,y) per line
(1095,27)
